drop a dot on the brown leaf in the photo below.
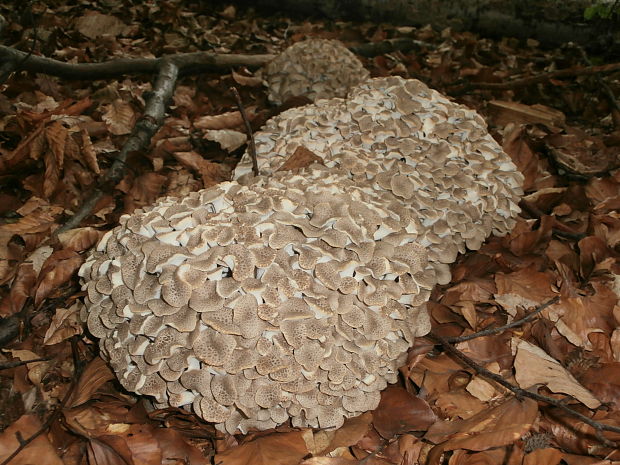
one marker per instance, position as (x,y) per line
(88,151)
(21,289)
(329,461)
(273,449)
(228,120)
(119,117)
(95,375)
(38,451)
(350,433)
(143,191)
(229,139)
(212,173)
(65,324)
(400,412)
(547,456)
(524,288)
(79,239)
(94,24)
(534,366)
(301,158)
(56,271)
(515,145)
(495,427)
(249,81)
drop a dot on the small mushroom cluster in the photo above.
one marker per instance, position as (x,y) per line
(296,295)
(314,68)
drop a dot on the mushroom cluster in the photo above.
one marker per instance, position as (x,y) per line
(296,295)
(314,68)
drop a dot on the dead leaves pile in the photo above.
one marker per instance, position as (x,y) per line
(59,138)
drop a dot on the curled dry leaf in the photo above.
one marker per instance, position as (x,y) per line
(21,289)
(37,451)
(56,271)
(119,117)
(79,239)
(65,323)
(524,288)
(494,427)
(211,173)
(301,158)
(534,366)
(400,411)
(248,81)
(229,139)
(36,370)
(230,120)
(272,449)
(95,375)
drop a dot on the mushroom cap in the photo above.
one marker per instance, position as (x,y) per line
(296,295)
(245,296)
(430,156)
(313,68)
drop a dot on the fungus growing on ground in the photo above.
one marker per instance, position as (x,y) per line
(296,295)
(434,156)
(313,68)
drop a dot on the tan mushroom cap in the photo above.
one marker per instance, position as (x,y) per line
(296,295)
(313,68)
(250,313)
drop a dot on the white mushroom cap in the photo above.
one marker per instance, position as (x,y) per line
(245,299)
(296,295)
(432,156)
(313,68)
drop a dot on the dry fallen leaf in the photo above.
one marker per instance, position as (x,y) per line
(40,450)
(494,427)
(65,324)
(120,117)
(400,411)
(229,139)
(534,366)
(301,158)
(94,24)
(56,271)
(273,449)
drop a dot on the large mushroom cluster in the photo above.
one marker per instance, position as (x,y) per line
(295,295)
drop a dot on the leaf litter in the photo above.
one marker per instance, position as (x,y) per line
(59,137)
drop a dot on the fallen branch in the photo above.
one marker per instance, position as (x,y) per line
(139,139)
(501,329)
(560,404)
(187,63)
(18,363)
(458,89)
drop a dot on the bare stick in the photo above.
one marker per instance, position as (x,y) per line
(562,73)
(248,128)
(188,63)
(139,139)
(501,329)
(598,427)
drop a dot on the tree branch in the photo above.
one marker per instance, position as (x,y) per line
(598,427)
(138,140)
(187,63)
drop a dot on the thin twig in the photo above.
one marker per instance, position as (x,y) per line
(501,329)
(599,427)
(139,139)
(23,443)
(18,363)
(523,82)
(248,128)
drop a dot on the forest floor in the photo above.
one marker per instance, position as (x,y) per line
(549,109)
